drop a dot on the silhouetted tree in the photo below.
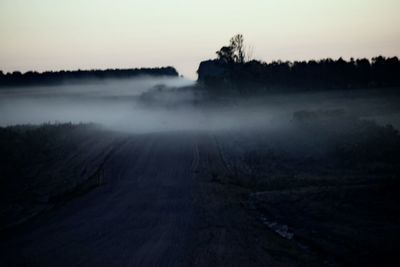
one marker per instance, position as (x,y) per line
(226,54)
(237,44)
(234,53)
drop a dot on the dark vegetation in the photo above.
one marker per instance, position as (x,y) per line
(329,183)
(43,165)
(233,70)
(57,77)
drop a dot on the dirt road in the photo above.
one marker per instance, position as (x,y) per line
(162,204)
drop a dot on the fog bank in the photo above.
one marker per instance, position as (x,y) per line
(150,104)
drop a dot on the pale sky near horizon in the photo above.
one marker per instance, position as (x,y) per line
(71,34)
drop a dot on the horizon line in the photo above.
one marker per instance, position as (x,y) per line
(347,59)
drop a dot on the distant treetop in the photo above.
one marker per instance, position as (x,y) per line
(234,52)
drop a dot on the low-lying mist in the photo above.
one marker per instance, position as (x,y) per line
(150,104)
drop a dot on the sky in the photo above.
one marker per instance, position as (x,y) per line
(71,34)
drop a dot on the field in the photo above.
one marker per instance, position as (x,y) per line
(292,179)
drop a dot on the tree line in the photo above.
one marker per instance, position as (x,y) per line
(17,78)
(231,67)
